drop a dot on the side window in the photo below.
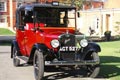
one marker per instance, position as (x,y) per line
(17,19)
(28,17)
(20,19)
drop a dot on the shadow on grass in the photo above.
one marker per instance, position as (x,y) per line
(109,66)
(61,74)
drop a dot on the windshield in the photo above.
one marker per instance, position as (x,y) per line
(55,17)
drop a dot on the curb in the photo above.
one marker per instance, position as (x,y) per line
(6,39)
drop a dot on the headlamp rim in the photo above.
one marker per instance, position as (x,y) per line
(52,43)
(82,42)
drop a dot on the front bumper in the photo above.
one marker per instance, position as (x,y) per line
(65,63)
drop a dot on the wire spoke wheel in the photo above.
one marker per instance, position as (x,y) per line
(38,65)
(93,70)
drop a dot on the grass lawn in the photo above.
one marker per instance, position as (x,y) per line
(110,60)
(4,31)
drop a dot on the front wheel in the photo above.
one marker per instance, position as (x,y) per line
(38,65)
(16,61)
(93,70)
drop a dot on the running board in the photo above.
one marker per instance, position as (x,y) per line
(23,58)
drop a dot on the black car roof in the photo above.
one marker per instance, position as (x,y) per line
(32,6)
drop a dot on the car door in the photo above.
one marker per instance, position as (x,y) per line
(30,33)
(20,31)
(30,37)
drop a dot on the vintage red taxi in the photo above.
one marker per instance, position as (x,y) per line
(46,35)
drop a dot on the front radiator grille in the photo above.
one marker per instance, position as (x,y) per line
(67,40)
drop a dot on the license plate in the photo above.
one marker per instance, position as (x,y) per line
(69,48)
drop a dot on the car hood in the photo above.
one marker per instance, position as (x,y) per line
(51,33)
(55,32)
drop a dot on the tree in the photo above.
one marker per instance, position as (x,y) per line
(79,3)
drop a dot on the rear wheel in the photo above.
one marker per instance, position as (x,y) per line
(93,70)
(16,61)
(38,65)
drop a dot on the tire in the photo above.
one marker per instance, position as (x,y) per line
(16,61)
(93,70)
(38,63)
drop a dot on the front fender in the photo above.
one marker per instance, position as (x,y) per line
(41,47)
(15,44)
(92,47)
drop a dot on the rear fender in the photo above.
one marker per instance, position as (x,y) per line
(15,44)
(41,47)
(92,47)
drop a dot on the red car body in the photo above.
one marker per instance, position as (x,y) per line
(27,38)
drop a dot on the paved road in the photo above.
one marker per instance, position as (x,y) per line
(9,72)
(6,38)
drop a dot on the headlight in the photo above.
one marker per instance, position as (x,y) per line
(83,43)
(55,43)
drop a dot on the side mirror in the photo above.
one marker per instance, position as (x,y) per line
(78,14)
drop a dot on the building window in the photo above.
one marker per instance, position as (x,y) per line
(2,6)
(3,19)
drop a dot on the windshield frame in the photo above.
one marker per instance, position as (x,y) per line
(57,8)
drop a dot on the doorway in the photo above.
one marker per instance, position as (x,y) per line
(107,22)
